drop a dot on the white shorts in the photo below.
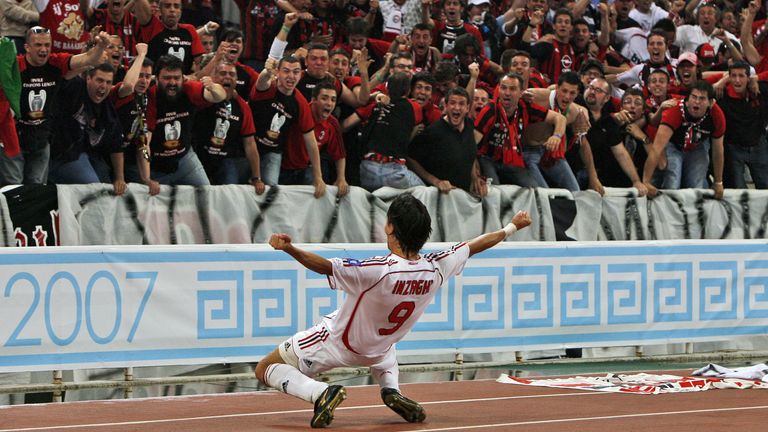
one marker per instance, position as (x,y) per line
(314,351)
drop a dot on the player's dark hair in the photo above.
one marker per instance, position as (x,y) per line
(168,62)
(740,64)
(569,77)
(325,84)
(104,67)
(457,91)
(705,87)
(398,85)
(423,76)
(410,221)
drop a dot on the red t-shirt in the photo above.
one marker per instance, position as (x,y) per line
(688,132)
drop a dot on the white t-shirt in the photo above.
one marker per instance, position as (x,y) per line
(648,20)
(689,37)
(634,44)
(387,295)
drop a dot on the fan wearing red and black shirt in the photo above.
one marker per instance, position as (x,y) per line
(171,106)
(223,136)
(42,74)
(422,84)
(499,128)
(165,36)
(329,138)
(387,134)
(116,20)
(686,134)
(130,99)
(445,33)
(229,51)
(555,53)
(257,17)
(277,106)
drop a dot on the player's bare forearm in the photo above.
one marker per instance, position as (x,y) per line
(485,241)
(488,240)
(311,260)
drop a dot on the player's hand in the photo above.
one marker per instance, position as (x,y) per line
(141,49)
(444,186)
(521,220)
(290,19)
(119,187)
(280,241)
(319,188)
(343,187)
(718,188)
(479,186)
(552,143)
(259,186)
(596,186)
(154,187)
(474,70)
(652,191)
(642,190)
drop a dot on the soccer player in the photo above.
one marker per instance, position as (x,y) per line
(385,297)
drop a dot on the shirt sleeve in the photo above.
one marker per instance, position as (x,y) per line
(672,118)
(451,261)
(354,276)
(194,91)
(247,129)
(718,119)
(306,121)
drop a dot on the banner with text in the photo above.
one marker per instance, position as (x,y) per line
(88,307)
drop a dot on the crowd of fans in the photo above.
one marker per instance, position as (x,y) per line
(570,94)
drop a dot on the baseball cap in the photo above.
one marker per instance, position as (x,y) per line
(689,57)
(705,52)
(592,64)
(478,2)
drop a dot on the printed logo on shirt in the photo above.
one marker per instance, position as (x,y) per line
(284,386)
(172,134)
(220,132)
(274,127)
(354,262)
(308,363)
(176,52)
(37,103)
(287,345)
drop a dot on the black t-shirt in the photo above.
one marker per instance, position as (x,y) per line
(745,118)
(170,120)
(81,125)
(447,153)
(274,112)
(602,136)
(389,127)
(219,130)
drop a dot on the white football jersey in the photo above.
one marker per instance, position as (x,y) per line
(387,295)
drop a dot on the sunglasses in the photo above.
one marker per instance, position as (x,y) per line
(39,30)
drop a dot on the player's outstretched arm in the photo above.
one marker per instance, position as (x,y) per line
(485,241)
(309,260)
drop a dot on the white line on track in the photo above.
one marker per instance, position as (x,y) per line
(260,414)
(581,419)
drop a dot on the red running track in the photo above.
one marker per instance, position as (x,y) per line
(482,405)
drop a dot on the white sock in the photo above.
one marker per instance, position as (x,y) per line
(387,378)
(290,380)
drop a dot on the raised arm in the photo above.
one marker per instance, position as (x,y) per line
(132,75)
(310,260)
(488,240)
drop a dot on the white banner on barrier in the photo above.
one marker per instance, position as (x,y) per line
(87,307)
